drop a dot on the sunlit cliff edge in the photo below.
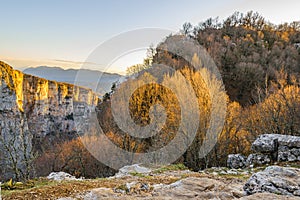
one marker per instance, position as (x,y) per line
(33,109)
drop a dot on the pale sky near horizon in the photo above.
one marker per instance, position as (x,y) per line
(63,32)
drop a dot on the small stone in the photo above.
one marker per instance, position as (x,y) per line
(291,157)
(232,172)
(296,193)
(223,172)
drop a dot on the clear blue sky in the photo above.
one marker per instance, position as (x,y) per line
(41,32)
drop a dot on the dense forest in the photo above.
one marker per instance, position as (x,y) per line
(259,63)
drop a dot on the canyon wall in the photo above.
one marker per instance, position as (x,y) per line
(32,109)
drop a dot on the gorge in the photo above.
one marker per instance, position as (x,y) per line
(35,111)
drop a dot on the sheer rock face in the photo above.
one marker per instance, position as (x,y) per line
(32,107)
(47,105)
(275,179)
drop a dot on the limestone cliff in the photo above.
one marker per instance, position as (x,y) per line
(32,108)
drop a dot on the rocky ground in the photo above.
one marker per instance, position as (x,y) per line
(172,182)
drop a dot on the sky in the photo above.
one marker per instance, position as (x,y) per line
(64,32)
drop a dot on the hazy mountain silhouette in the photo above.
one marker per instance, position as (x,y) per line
(82,77)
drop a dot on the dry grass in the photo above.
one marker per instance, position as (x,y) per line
(52,190)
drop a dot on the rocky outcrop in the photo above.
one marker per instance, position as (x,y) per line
(279,147)
(275,179)
(269,143)
(268,148)
(32,108)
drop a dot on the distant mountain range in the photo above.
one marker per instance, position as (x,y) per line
(100,82)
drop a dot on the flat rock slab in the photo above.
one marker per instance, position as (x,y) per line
(200,188)
(275,179)
(187,188)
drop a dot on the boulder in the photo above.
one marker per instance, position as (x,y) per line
(236,161)
(59,176)
(269,143)
(275,179)
(280,148)
(258,159)
(269,148)
(128,170)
